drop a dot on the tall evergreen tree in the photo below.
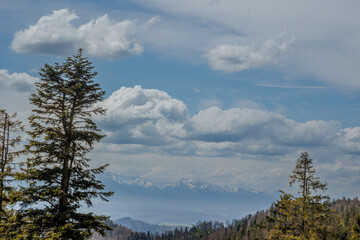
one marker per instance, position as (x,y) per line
(58,175)
(10,137)
(305,216)
(314,208)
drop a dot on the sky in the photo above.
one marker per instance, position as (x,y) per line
(227,91)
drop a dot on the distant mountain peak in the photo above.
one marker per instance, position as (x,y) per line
(137,181)
(196,184)
(182,202)
(183,183)
(140,226)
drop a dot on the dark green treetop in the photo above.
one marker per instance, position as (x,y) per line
(304,175)
(58,175)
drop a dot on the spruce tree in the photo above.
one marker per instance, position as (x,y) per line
(10,137)
(58,175)
(283,217)
(355,229)
(314,208)
(305,216)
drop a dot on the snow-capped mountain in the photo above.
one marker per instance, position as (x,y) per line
(197,185)
(137,181)
(182,203)
(183,183)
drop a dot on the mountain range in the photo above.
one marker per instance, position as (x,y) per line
(183,183)
(182,203)
(140,226)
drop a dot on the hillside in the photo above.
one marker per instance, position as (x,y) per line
(253,226)
(140,226)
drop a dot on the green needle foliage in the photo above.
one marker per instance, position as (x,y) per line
(305,216)
(10,130)
(58,177)
(355,231)
(285,211)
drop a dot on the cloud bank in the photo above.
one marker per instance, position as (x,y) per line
(55,34)
(151,119)
(21,82)
(151,134)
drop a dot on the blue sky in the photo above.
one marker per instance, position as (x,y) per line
(227,91)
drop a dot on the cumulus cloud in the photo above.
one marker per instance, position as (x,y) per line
(147,116)
(349,139)
(236,58)
(101,37)
(21,82)
(150,117)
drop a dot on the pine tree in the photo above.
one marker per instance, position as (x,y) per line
(303,217)
(283,212)
(10,130)
(58,175)
(355,230)
(314,208)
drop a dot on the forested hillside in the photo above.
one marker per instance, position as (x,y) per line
(253,226)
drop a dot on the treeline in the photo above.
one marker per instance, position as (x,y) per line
(253,226)
(198,231)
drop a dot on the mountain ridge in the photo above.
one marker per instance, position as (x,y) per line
(141,226)
(182,203)
(191,184)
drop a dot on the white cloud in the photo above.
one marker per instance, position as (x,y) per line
(238,124)
(236,58)
(239,130)
(101,37)
(154,121)
(21,82)
(147,116)
(327,35)
(349,139)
